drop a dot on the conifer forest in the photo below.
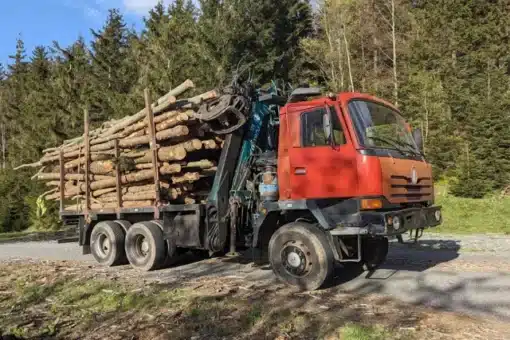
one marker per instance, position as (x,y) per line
(444,63)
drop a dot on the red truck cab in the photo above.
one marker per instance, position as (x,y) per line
(350,165)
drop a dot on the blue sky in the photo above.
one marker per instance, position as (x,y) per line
(39,22)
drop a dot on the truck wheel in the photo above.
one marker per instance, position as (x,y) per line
(145,247)
(300,255)
(170,247)
(373,252)
(107,243)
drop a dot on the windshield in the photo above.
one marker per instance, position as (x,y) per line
(378,126)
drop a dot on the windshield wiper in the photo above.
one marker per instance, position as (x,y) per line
(397,145)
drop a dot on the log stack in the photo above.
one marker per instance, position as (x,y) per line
(120,166)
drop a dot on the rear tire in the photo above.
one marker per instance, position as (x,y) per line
(301,256)
(171,254)
(107,244)
(145,247)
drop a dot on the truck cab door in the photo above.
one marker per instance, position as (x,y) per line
(322,159)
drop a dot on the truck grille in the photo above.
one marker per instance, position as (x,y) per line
(403,190)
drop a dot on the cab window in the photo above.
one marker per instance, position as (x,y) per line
(313,131)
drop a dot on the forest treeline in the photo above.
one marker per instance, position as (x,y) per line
(444,63)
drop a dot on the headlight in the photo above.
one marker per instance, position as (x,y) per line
(396,222)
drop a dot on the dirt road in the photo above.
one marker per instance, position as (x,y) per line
(469,274)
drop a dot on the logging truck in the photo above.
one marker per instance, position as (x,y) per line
(308,180)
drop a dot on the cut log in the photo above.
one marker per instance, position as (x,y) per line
(72,177)
(189,200)
(191,145)
(97,206)
(100,192)
(167,169)
(125,179)
(52,183)
(176,131)
(210,144)
(202,164)
(135,153)
(143,195)
(143,166)
(171,122)
(130,189)
(169,153)
(188,177)
(75,163)
(209,172)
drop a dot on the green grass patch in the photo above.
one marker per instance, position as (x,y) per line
(469,215)
(359,332)
(14,235)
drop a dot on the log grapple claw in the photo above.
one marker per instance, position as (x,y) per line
(225,114)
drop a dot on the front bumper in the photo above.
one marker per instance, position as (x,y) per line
(382,223)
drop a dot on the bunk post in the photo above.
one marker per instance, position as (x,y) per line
(117,177)
(87,159)
(154,149)
(62,174)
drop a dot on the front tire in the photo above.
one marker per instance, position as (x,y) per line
(301,256)
(145,247)
(107,244)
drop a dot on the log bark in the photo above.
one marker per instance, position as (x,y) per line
(76,162)
(143,195)
(143,166)
(170,194)
(135,153)
(188,177)
(171,122)
(129,189)
(97,206)
(189,200)
(191,145)
(176,131)
(73,177)
(210,144)
(169,153)
(165,169)
(202,164)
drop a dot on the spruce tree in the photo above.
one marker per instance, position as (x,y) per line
(112,68)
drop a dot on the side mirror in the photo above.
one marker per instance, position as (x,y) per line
(418,138)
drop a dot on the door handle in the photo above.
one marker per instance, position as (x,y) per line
(300,171)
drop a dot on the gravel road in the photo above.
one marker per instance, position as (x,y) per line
(469,274)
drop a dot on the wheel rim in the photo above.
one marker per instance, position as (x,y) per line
(296,259)
(103,246)
(142,246)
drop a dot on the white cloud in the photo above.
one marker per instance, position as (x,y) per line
(92,12)
(141,6)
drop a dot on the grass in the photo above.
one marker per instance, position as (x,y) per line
(469,215)
(65,301)
(359,332)
(13,235)
(21,234)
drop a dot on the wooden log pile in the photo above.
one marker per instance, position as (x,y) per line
(120,167)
